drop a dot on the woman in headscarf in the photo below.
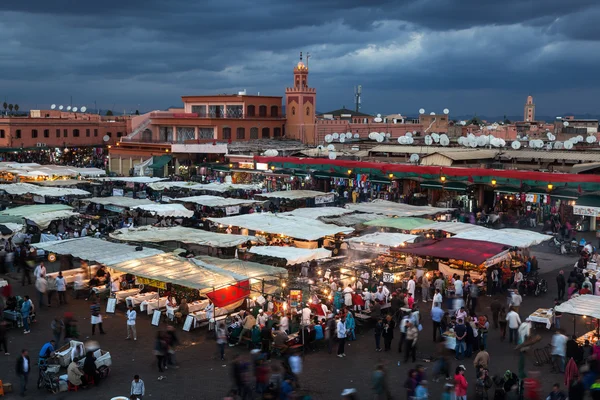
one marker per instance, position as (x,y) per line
(350,326)
(89,369)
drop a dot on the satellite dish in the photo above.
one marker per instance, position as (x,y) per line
(579,139)
(516,145)
(435,137)
(330,147)
(377,119)
(388,135)
(106,138)
(373,135)
(446,111)
(328,138)
(566,123)
(348,135)
(590,139)
(558,145)
(568,145)
(408,134)
(68,108)
(402,140)
(356,136)
(332,155)
(481,141)
(335,135)
(74,109)
(409,140)
(428,140)
(432,113)
(444,141)
(540,144)
(83,109)
(549,146)
(414,158)
(342,139)
(60,107)
(463,123)
(380,138)
(421,111)
(378,115)
(472,143)
(53,106)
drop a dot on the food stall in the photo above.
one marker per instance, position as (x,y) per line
(393,209)
(588,306)
(210,204)
(38,216)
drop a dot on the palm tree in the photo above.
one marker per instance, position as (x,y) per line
(109,113)
(16,107)
(5,105)
(10,107)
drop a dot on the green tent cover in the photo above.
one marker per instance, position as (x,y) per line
(405,224)
(159,162)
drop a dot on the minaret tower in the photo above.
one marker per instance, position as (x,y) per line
(300,101)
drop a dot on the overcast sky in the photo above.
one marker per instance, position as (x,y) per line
(471,56)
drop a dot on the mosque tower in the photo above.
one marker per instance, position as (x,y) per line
(300,101)
(529,114)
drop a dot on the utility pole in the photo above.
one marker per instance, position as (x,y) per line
(357,93)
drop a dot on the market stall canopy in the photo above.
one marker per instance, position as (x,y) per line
(27,188)
(380,240)
(393,209)
(98,250)
(132,179)
(293,255)
(63,182)
(294,227)
(406,224)
(167,210)
(216,201)
(293,194)
(40,214)
(350,219)
(33,169)
(586,304)
(318,212)
(170,268)
(473,251)
(120,201)
(509,237)
(9,228)
(183,235)
(210,187)
(239,268)
(451,227)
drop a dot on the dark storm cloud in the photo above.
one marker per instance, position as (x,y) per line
(407,52)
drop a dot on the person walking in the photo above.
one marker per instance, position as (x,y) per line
(460,331)
(436,317)
(221,333)
(41,285)
(3,342)
(496,306)
(562,285)
(25,314)
(138,390)
(502,322)
(559,350)
(378,332)
(379,383)
(131,317)
(51,289)
(425,286)
(388,332)
(341,335)
(412,333)
(61,288)
(474,295)
(57,327)
(23,368)
(160,351)
(460,383)
(96,317)
(513,320)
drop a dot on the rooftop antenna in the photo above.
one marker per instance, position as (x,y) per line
(307,58)
(300,56)
(357,93)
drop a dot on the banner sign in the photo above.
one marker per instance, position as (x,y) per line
(328,198)
(230,294)
(586,211)
(117,192)
(151,282)
(232,210)
(388,277)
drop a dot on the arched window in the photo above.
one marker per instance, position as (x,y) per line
(240,133)
(307,110)
(276,132)
(253,133)
(266,133)
(226,133)
(274,111)
(293,110)
(251,111)
(262,111)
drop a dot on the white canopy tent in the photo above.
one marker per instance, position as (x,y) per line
(167,210)
(292,194)
(183,235)
(40,214)
(240,268)
(509,237)
(350,219)
(27,188)
(451,227)
(393,209)
(33,169)
(379,241)
(210,187)
(92,249)
(318,212)
(120,201)
(587,304)
(133,179)
(293,255)
(295,227)
(216,201)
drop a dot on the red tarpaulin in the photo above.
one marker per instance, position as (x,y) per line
(473,251)
(230,294)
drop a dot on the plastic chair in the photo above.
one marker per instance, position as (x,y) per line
(89,380)
(71,387)
(1,389)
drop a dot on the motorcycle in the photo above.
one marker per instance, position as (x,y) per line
(567,248)
(534,285)
(555,242)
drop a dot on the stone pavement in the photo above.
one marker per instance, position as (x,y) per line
(202,376)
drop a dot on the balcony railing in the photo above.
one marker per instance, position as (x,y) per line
(208,116)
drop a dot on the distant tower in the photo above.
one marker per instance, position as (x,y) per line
(300,103)
(529,114)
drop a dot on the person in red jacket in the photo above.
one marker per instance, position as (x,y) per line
(460,383)
(532,386)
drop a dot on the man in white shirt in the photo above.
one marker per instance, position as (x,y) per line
(261,318)
(437,298)
(385,290)
(410,288)
(137,388)
(515,301)
(380,296)
(341,334)
(458,288)
(61,288)
(284,323)
(513,321)
(348,292)
(518,278)
(40,271)
(131,317)
(306,315)
(559,350)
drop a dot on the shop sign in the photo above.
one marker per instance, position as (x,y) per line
(328,198)
(262,166)
(232,210)
(112,208)
(117,192)
(39,199)
(151,282)
(388,277)
(295,297)
(586,211)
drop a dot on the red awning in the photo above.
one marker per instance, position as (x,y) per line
(473,251)
(230,294)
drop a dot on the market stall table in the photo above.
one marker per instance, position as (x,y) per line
(450,340)
(154,304)
(592,336)
(543,316)
(121,295)
(140,298)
